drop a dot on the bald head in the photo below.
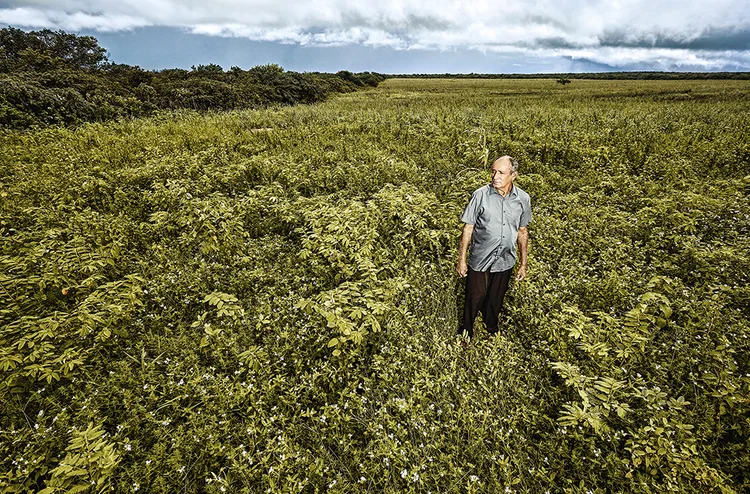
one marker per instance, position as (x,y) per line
(504,171)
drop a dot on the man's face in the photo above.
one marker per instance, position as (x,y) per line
(502,176)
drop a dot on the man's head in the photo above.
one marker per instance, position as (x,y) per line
(504,170)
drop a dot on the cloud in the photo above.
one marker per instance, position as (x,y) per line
(75,21)
(688,34)
(711,38)
(661,59)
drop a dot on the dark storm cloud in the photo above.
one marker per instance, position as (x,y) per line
(713,39)
(410,22)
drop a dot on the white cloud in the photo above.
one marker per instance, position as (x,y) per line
(663,59)
(75,21)
(695,33)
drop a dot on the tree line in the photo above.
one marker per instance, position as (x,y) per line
(53,77)
(634,75)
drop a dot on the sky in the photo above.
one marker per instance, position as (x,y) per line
(407,36)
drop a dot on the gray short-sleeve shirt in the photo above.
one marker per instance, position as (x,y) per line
(496,221)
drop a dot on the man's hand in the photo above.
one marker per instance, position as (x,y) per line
(521,273)
(523,252)
(462,268)
(466,232)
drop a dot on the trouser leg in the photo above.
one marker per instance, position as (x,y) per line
(476,289)
(497,285)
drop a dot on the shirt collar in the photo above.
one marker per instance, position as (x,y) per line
(513,192)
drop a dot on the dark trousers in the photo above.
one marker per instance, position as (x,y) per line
(485,291)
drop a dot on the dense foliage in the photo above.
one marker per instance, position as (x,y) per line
(266,300)
(53,77)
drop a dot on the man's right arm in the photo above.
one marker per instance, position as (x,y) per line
(462,268)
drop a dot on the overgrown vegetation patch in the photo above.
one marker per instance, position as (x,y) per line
(189,303)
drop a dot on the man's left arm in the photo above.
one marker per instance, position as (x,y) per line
(523,251)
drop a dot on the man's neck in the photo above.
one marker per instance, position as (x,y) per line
(504,192)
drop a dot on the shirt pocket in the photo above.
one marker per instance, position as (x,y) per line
(512,212)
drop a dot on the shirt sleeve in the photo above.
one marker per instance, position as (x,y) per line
(471,213)
(525,212)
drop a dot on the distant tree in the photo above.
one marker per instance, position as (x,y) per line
(371,78)
(348,76)
(563,81)
(173,74)
(81,52)
(46,50)
(14,42)
(267,74)
(130,75)
(210,69)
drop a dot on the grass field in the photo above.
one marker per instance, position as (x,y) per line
(266,301)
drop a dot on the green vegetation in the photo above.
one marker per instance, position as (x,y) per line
(52,77)
(265,300)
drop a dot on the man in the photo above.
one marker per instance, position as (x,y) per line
(496,227)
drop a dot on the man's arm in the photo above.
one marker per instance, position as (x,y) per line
(523,251)
(462,268)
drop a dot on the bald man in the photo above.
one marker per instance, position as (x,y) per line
(496,234)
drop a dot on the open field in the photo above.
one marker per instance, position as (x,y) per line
(266,301)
